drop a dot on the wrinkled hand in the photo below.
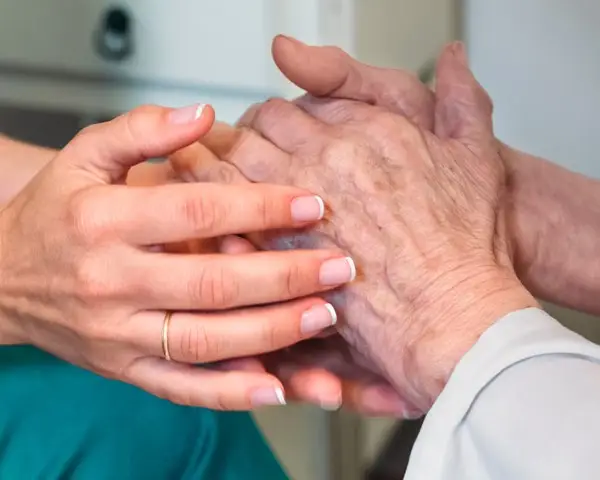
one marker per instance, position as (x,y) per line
(420,213)
(320,371)
(325,371)
(84,276)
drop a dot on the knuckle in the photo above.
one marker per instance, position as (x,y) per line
(273,107)
(255,167)
(215,288)
(267,210)
(87,217)
(336,51)
(390,123)
(273,335)
(334,111)
(93,282)
(135,127)
(141,111)
(248,117)
(340,111)
(270,114)
(86,132)
(385,126)
(293,281)
(336,151)
(202,214)
(221,402)
(195,345)
(180,397)
(223,173)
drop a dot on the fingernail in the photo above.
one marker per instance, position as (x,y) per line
(188,114)
(460,53)
(308,209)
(292,39)
(412,415)
(331,405)
(337,271)
(318,319)
(383,399)
(264,397)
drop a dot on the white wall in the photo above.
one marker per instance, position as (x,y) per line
(540,60)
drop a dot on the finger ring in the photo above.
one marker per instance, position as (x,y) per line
(165,335)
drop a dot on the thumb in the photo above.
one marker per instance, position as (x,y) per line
(321,71)
(331,72)
(463,108)
(110,149)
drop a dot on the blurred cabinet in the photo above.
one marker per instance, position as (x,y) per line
(106,56)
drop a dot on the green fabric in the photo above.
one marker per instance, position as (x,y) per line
(61,422)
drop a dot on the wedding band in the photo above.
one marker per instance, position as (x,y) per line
(165,336)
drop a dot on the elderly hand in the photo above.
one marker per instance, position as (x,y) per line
(421,213)
(83,276)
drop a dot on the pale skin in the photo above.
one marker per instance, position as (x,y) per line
(539,237)
(89,266)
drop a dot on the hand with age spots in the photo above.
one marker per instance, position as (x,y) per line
(420,213)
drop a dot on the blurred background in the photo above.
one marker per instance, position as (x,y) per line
(67,63)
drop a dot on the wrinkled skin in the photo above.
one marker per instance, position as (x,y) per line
(320,371)
(419,212)
(305,369)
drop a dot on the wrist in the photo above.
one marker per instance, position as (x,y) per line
(19,163)
(453,324)
(9,334)
(523,209)
(553,230)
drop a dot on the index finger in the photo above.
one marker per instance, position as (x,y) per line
(173,213)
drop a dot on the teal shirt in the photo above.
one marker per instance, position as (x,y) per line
(58,421)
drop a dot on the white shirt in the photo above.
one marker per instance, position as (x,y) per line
(523,404)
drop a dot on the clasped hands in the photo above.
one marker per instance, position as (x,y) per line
(412,184)
(415,188)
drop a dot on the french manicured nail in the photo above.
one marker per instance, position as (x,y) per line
(318,319)
(308,209)
(264,397)
(188,114)
(337,272)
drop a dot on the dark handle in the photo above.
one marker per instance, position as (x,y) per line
(114,37)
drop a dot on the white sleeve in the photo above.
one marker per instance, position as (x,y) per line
(523,404)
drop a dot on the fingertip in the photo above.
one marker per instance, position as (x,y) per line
(268,396)
(382,400)
(284,43)
(318,70)
(318,387)
(198,116)
(234,245)
(206,118)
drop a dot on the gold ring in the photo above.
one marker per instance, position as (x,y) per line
(165,336)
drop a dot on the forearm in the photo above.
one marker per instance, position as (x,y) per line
(19,163)
(8,332)
(554,215)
